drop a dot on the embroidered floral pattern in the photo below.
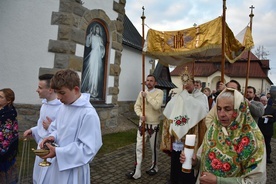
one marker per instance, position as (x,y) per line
(235,154)
(234,125)
(243,107)
(241,145)
(217,164)
(181,120)
(234,115)
(8,129)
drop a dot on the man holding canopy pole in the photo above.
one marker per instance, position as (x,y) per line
(153,102)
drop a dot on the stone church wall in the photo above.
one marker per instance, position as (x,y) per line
(72,20)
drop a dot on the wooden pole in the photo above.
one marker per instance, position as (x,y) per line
(223,41)
(251,15)
(143,80)
(193,73)
(194,69)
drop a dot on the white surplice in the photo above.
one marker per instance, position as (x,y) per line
(48,109)
(192,107)
(77,131)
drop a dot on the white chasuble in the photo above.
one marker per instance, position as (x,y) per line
(185,110)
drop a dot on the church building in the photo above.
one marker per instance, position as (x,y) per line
(39,37)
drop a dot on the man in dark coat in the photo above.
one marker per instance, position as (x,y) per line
(266,125)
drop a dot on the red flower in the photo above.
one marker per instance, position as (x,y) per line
(178,122)
(236,147)
(5,143)
(212,155)
(228,142)
(226,166)
(9,126)
(234,127)
(10,136)
(216,164)
(245,141)
(15,127)
(234,115)
(240,148)
(184,120)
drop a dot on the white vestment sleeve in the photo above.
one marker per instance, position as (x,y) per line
(35,134)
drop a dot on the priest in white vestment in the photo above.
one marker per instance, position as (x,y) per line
(186,113)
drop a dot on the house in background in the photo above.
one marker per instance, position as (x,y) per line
(209,73)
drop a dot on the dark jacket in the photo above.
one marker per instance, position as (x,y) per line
(267,128)
(212,98)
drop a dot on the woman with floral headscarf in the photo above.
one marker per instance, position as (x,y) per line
(233,147)
(8,137)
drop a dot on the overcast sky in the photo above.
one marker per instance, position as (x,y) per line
(181,14)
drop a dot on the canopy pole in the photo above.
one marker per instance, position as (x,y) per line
(194,69)
(143,81)
(251,15)
(223,41)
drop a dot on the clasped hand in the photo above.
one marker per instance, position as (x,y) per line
(46,123)
(50,147)
(143,93)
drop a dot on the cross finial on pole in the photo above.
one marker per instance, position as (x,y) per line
(143,15)
(251,14)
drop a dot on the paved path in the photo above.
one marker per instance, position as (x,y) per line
(111,168)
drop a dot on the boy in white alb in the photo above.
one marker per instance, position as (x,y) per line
(76,130)
(48,112)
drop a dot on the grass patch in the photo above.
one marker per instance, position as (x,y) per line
(28,157)
(112,142)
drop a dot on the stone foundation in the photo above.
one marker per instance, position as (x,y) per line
(27,115)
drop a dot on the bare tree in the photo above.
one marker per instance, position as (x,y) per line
(261,52)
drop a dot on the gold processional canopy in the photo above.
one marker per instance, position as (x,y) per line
(202,42)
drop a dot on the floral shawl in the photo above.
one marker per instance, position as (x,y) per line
(236,151)
(8,134)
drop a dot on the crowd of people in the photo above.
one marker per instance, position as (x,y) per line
(233,132)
